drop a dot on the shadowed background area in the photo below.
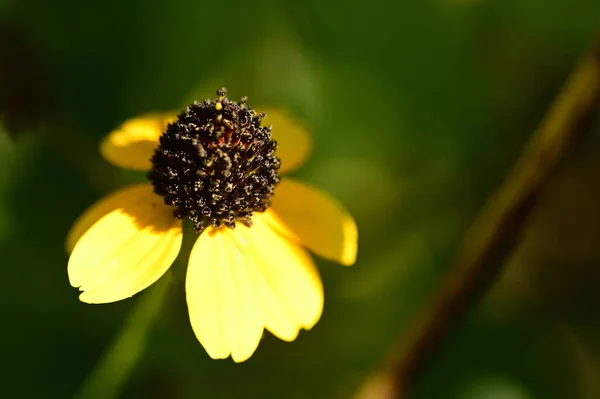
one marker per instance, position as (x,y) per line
(418,110)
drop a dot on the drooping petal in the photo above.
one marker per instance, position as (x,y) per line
(131,145)
(293,139)
(111,202)
(288,282)
(314,219)
(222,303)
(276,286)
(127,249)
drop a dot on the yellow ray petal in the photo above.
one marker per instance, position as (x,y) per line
(127,249)
(313,218)
(222,303)
(243,279)
(131,145)
(285,278)
(293,139)
(101,208)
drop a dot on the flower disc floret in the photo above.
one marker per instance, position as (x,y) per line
(216,164)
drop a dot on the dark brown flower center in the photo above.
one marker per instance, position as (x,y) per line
(216,164)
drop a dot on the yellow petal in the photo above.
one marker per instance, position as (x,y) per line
(127,249)
(101,208)
(131,145)
(288,283)
(223,307)
(311,217)
(242,280)
(293,139)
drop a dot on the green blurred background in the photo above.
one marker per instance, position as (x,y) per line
(418,110)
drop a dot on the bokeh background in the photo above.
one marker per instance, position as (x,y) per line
(417,108)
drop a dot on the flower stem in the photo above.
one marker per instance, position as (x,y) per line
(498,228)
(118,362)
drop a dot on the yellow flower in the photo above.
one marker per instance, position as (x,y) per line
(249,269)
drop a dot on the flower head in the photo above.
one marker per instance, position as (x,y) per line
(218,166)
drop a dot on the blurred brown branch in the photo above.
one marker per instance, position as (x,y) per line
(497,229)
